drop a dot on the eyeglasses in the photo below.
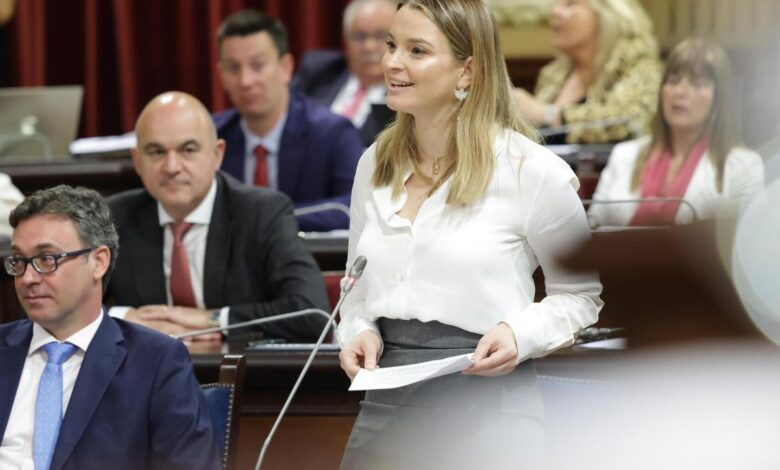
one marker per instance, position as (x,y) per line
(360,38)
(43,264)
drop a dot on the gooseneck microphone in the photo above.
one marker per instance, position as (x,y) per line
(257,321)
(352,277)
(642,200)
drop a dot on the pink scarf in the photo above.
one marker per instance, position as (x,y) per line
(653,184)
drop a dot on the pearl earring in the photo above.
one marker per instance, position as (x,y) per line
(461,94)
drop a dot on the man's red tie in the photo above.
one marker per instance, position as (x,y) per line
(181,284)
(261,166)
(350,111)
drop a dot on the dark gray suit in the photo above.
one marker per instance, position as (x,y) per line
(255,262)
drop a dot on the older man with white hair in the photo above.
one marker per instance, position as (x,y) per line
(350,82)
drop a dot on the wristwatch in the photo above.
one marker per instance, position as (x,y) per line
(214,319)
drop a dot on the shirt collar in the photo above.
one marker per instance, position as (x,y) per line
(81,339)
(270,141)
(201,214)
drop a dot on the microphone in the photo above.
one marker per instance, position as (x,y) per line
(632,123)
(257,321)
(640,200)
(352,277)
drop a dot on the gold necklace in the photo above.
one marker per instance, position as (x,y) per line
(435,168)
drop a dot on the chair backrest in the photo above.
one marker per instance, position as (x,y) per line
(224,400)
(333,286)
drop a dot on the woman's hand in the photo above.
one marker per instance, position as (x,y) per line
(362,352)
(496,353)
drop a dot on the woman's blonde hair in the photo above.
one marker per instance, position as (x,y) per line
(698,58)
(620,19)
(471,31)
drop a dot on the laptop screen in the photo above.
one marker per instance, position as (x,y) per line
(39,122)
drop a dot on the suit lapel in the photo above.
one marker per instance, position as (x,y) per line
(101,362)
(292,149)
(145,245)
(13,354)
(218,245)
(230,130)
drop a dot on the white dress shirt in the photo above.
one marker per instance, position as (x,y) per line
(194,244)
(16,449)
(272,142)
(743,179)
(343,101)
(471,266)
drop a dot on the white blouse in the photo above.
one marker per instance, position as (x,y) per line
(471,266)
(743,179)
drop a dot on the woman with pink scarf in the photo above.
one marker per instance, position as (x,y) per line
(693,152)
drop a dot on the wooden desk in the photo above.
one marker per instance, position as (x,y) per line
(318,423)
(319,420)
(104,176)
(112,175)
(668,285)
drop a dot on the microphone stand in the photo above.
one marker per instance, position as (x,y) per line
(352,277)
(323,207)
(641,200)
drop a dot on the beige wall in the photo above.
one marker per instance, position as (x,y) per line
(736,24)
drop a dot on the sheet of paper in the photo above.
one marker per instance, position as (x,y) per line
(104,144)
(394,377)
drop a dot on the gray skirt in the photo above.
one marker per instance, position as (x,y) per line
(455,421)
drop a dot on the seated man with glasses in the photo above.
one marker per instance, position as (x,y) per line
(350,82)
(79,389)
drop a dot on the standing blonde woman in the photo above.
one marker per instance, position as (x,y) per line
(602,86)
(693,152)
(454,207)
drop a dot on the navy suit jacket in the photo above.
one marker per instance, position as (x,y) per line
(135,405)
(321,75)
(255,262)
(318,156)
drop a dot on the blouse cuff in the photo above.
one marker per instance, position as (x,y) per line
(533,338)
(359,325)
(530,334)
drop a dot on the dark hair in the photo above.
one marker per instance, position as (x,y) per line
(246,22)
(87,210)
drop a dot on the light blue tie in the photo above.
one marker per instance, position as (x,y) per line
(48,404)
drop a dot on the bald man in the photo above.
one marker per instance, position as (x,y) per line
(200,249)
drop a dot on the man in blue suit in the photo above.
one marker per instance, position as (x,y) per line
(275,139)
(79,389)
(351,83)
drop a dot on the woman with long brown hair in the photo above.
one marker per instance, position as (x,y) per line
(693,153)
